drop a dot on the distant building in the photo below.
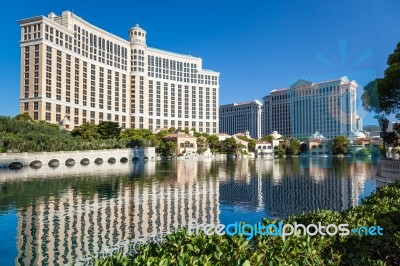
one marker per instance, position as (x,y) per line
(276,112)
(373,130)
(240,117)
(328,107)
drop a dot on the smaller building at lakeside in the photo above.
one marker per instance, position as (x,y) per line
(185,144)
(372,130)
(266,149)
(318,145)
(359,140)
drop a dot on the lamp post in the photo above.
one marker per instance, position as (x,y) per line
(384,124)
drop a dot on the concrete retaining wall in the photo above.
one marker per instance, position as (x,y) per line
(388,171)
(72,158)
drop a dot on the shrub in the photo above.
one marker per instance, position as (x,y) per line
(201,150)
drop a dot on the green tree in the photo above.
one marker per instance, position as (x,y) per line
(364,152)
(152,141)
(214,144)
(382,95)
(197,134)
(201,150)
(87,131)
(339,145)
(24,117)
(268,138)
(251,143)
(130,132)
(201,142)
(30,146)
(137,142)
(142,137)
(232,147)
(166,149)
(162,133)
(109,130)
(13,143)
(303,147)
(279,151)
(294,147)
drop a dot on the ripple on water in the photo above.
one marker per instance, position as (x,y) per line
(54,217)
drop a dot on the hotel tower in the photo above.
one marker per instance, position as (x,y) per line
(328,107)
(75,72)
(241,117)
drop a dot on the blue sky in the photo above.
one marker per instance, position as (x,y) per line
(257,46)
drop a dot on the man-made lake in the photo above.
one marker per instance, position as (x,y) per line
(59,216)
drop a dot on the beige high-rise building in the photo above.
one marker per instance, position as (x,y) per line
(276,113)
(328,107)
(241,117)
(72,69)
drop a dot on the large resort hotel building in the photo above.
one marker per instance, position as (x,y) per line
(328,107)
(240,117)
(74,72)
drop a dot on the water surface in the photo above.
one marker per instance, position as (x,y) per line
(57,216)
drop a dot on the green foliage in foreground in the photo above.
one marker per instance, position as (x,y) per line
(381,208)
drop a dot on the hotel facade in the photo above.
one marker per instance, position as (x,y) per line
(240,117)
(74,70)
(328,107)
(276,113)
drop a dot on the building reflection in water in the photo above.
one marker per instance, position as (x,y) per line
(102,214)
(284,187)
(65,215)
